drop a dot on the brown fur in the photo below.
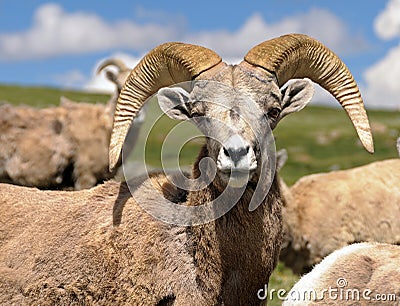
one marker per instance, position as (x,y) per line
(99,246)
(327,211)
(63,146)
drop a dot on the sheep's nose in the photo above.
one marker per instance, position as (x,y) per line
(236,154)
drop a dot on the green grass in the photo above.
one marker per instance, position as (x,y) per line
(174,139)
(318,139)
(44,96)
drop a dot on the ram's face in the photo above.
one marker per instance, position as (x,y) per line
(235,115)
(232,123)
(274,61)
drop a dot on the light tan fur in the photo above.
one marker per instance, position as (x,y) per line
(98,246)
(54,147)
(359,274)
(328,211)
(117,253)
(64,146)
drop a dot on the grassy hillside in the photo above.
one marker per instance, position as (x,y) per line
(323,139)
(43,96)
(318,139)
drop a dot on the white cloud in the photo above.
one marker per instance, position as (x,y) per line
(318,23)
(56,32)
(99,83)
(75,79)
(382,87)
(387,23)
(382,81)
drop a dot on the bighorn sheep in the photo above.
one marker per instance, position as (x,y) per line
(100,246)
(358,274)
(117,77)
(327,211)
(64,146)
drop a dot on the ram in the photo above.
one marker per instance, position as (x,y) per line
(118,77)
(60,147)
(358,274)
(327,211)
(101,246)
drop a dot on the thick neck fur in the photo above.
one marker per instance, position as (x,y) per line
(235,254)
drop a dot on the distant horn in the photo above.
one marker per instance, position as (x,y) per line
(165,65)
(113,62)
(300,56)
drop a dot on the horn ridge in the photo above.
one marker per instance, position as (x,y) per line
(165,65)
(300,56)
(112,62)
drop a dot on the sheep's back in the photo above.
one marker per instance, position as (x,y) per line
(330,210)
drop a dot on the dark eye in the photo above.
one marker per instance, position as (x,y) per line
(196,114)
(273,113)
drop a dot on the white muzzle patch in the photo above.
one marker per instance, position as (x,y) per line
(236,159)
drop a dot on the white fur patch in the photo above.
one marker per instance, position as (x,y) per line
(311,280)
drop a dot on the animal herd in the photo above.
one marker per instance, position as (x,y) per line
(100,245)
(324,212)
(51,149)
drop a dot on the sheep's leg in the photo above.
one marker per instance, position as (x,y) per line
(85,181)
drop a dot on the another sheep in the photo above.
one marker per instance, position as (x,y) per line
(358,274)
(324,212)
(33,148)
(57,147)
(62,146)
(100,246)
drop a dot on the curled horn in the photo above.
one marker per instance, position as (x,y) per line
(300,56)
(115,77)
(113,62)
(165,65)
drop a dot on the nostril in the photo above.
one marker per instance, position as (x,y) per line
(236,154)
(226,152)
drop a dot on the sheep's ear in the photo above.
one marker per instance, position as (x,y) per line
(281,158)
(398,146)
(173,102)
(64,101)
(111,76)
(296,96)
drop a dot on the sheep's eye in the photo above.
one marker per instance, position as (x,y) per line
(273,113)
(196,114)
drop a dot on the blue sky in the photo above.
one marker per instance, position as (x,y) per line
(60,43)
